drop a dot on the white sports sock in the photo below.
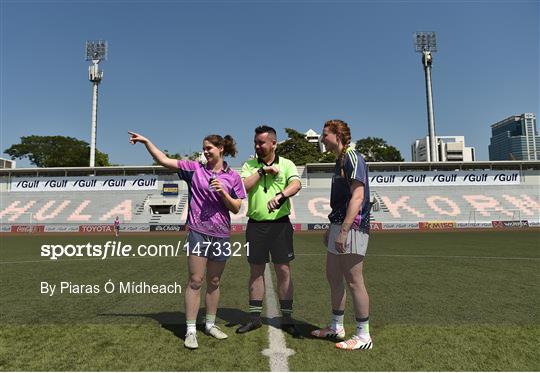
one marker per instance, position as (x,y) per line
(337,320)
(210,321)
(191,328)
(362,328)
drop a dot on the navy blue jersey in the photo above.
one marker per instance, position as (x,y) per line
(354,168)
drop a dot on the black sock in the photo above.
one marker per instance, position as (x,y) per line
(255,308)
(286,308)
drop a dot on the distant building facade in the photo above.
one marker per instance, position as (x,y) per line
(315,138)
(7,163)
(449,149)
(515,138)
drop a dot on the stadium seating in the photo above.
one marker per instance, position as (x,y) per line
(311,205)
(458,203)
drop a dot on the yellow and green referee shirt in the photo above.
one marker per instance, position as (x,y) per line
(268,186)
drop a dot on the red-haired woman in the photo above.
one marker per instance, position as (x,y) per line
(347,238)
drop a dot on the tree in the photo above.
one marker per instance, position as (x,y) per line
(375,149)
(55,151)
(327,157)
(193,157)
(170,155)
(298,149)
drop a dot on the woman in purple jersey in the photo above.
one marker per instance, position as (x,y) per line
(214,190)
(116,227)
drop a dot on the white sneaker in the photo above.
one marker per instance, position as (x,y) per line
(356,343)
(191,341)
(328,332)
(216,332)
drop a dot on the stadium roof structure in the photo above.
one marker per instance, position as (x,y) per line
(309,168)
(434,166)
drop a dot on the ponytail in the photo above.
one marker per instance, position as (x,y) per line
(342,129)
(229,146)
(227,142)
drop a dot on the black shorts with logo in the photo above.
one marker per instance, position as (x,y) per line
(267,237)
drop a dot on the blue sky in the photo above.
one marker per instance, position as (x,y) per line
(179,70)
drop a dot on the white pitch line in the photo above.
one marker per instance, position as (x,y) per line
(277,351)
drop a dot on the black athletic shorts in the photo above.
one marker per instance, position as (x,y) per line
(270,237)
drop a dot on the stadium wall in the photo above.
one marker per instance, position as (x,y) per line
(497,194)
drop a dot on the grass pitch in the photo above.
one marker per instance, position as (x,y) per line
(440,301)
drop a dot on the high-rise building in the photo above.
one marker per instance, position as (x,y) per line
(515,138)
(449,149)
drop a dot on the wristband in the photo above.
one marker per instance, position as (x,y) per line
(261,172)
(282,199)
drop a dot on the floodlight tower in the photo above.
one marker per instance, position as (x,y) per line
(96,51)
(426,43)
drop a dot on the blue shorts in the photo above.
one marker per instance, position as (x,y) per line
(213,248)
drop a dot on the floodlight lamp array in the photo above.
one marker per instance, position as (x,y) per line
(96,50)
(425,41)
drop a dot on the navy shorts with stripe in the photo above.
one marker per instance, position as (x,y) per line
(213,248)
